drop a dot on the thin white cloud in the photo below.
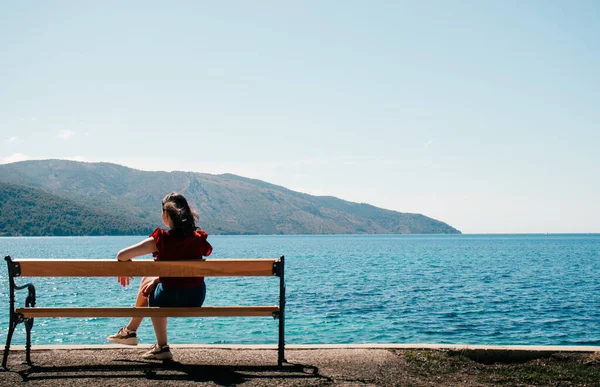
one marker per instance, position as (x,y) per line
(65,134)
(12,140)
(427,144)
(14,158)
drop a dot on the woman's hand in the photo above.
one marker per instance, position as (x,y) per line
(124,281)
(149,287)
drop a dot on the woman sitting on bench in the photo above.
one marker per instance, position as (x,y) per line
(182,241)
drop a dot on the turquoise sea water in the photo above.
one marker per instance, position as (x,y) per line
(461,289)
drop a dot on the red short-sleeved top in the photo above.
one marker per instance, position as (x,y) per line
(172,245)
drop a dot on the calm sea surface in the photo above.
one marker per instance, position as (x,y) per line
(461,289)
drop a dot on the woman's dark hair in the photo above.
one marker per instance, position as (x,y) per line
(183,216)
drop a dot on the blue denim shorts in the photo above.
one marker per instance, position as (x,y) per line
(175,298)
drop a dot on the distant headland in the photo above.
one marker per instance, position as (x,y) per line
(60,197)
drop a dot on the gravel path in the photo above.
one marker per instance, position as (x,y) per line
(305,367)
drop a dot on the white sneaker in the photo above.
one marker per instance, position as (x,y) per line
(158,352)
(124,337)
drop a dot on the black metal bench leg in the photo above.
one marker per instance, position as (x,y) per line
(11,330)
(28,326)
(281,343)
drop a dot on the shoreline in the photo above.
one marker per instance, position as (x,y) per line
(593,233)
(449,347)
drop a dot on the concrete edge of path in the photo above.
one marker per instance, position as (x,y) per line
(451,347)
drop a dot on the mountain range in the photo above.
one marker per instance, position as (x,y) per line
(61,197)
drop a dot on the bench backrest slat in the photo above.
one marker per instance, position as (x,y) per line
(205,311)
(147,268)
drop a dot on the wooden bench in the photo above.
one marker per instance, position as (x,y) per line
(146,268)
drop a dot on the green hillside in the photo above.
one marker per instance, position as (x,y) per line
(228,204)
(30,212)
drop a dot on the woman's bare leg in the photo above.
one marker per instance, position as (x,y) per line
(140,302)
(160,329)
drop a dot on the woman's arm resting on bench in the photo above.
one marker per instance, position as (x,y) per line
(147,246)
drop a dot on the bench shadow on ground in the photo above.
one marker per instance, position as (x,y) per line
(225,375)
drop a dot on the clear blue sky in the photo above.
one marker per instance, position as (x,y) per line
(483,114)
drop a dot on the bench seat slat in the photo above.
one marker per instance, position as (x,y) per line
(144,268)
(205,311)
